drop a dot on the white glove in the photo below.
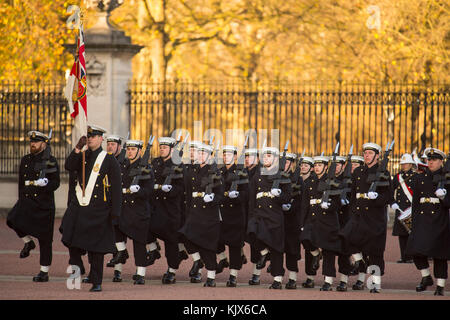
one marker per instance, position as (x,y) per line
(395,206)
(134,188)
(166,187)
(275,192)
(286,207)
(372,195)
(441,193)
(344,202)
(301,229)
(41,182)
(208,197)
(233,194)
(325,205)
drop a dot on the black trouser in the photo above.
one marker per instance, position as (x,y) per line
(235,254)
(140,251)
(328,263)
(96,262)
(291,262)
(371,260)
(172,254)
(276,259)
(255,250)
(440,267)
(208,256)
(344,264)
(45,248)
(403,240)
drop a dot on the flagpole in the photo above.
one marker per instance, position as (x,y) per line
(83,164)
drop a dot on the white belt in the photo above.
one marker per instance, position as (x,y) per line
(157,186)
(30,182)
(198,194)
(429,200)
(315,201)
(264,194)
(362,195)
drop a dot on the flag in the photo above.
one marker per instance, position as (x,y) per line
(75,91)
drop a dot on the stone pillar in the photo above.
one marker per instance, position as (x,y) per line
(108,71)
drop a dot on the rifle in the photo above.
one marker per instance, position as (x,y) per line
(330,185)
(176,171)
(121,157)
(213,177)
(241,176)
(347,176)
(142,172)
(281,177)
(43,166)
(296,176)
(443,179)
(381,178)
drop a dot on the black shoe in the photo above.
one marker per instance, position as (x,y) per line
(315,262)
(183,255)
(375,290)
(326,287)
(198,264)
(254,281)
(262,262)
(355,268)
(117,276)
(96,288)
(27,248)
(41,277)
(210,282)
(111,264)
(232,282)
(276,285)
(244,259)
(121,257)
(292,284)
(409,261)
(424,283)
(86,280)
(359,285)
(439,291)
(169,278)
(342,287)
(197,278)
(309,283)
(134,277)
(222,265)
(139,280)
(151,257)
(269,268)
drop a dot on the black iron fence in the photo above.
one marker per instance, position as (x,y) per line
(312,115)
(29,106)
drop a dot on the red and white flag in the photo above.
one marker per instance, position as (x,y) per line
(75,91)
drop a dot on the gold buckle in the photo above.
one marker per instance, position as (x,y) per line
(225,193)
(427,200)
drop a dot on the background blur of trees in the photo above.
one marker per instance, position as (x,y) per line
(251,39)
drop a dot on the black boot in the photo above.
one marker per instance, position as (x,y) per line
(439,291)
(183,255)
(27,248)
(117,276)
(254,281)
(262,261)
(96,288)
(292,284)
(342,286)
(139,280)
(134,277)
(86,280)
(197,278)
(110,264)
(309,283)
(151,257)
(275,285)
(315,262)
(232,282)
(41,277)
(121,257)
(326,287)
(222,265)
(168,278)
(210,282)
(359,285)
(375,290)
(196,266)
(244,259)
(426,282)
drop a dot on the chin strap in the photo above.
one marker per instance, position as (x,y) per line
(373,159)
